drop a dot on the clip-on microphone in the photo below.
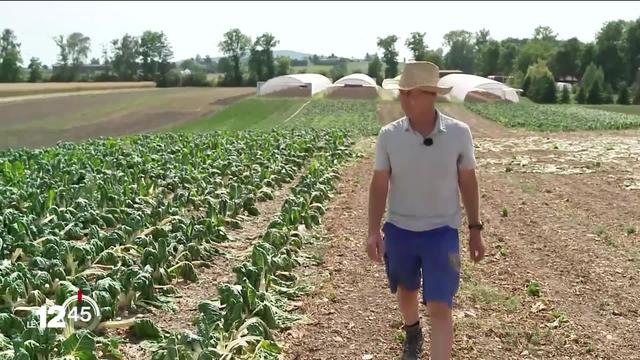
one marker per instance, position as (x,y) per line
(428,141)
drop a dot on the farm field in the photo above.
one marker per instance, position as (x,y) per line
(555,117)
(43,122)
(624,109)
(189,237)
(22,89)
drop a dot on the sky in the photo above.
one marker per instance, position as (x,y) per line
(348,29)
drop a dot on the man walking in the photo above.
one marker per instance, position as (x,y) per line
(423,162)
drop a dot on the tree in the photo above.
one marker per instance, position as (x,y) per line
(607,95)
(375,69)
(488,58)
(78,47)
(631,47)
(565,98)
(636,96)
(416,44)
(508,55)
(482,37)
(35,70)
(209,64)
(610,54)
(268,42)
(542,88)
(390,55)
(544,33)
(461,51)
(155,54)
(235,45)
(10,57)
(125,57)
(532,52)
(566,60)
(588,56)
(581,98)
(74,51)
(623,94)
(595,94)
(339,70)
(592,75)
(283,65)
(261,63)
(435,56)
(94,61)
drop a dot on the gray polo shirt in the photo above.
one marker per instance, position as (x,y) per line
(423,191)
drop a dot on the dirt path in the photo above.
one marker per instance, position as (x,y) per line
(560,215)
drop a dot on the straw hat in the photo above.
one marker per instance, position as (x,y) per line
(418,75)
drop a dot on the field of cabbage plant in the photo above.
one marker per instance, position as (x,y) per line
(121,220)
(554,117)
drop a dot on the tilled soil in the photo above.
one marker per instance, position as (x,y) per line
(46,121)
(575,234)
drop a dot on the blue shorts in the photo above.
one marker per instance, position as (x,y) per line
(432,255)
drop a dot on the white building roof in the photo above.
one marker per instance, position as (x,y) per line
(356,79)
(318,83)
(462,84)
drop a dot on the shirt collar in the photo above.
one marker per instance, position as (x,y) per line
(439,128)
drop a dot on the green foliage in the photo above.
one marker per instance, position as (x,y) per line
(623,94)
(533,288)
(565,98)
(283,65)
(487,60)
(542,86)
(35,70)
(390,55)
(234,45)
(554,117)
(611,51)
(339,70)
(595,94)
(10,58)
(155,54)
(415,43)
(375,69)
(581,97)
(566,60)
(607,95)
(461,51)
(592,75)
(508,55)
(533,52)
(125,57)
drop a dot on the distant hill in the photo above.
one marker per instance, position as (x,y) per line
(294,55)
(291,54)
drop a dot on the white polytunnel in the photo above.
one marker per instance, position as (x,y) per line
(357,79)
(294,84)
(463,85)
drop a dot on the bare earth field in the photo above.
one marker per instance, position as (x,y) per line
(45,121)
(561,210)
(22,89)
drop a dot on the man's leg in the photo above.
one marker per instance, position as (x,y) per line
(441,330)
(441,278)
(408,304)
(403,271)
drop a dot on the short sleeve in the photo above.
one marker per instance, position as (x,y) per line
(382,155)
(466,159)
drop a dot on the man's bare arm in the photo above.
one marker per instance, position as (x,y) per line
(377,199)
(468,182)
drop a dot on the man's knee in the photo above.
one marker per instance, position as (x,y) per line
(439,310)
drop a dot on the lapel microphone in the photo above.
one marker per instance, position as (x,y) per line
(428,141)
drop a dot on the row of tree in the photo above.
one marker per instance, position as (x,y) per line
(527,62)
